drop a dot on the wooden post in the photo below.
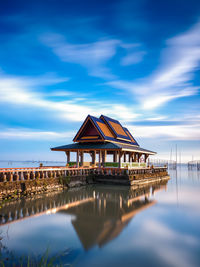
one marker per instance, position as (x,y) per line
(135,157)
(104,157)
(77,159)
(120,158)
(132,157)
(124,156)
(129,157)
(100,156)
(139,156)
(146,157)
(115,156)
(82,158)
(68,156)
(94,157)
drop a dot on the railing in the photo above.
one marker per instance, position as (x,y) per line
(21,174)
(111,164)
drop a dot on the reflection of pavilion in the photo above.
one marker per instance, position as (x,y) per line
(100,213)
(99,221)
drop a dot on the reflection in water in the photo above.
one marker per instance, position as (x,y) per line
(87,225)
(99,212)
(101,220)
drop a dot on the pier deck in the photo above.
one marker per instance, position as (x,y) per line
(17,182)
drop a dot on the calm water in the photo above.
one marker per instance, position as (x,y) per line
(109,225)
(29,164)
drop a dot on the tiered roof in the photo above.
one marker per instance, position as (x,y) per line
(103,133)
(104,129)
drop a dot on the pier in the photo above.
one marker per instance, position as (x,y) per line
(17,182)
(25,174)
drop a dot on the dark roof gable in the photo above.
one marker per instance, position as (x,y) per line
(103,129)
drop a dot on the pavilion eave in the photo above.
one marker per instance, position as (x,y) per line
(108,146)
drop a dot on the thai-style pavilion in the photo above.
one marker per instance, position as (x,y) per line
(105,136)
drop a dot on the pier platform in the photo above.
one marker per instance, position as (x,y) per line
(15,182)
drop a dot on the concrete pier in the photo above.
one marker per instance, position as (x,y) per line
(16,182)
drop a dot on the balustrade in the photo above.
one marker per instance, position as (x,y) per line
(10,175)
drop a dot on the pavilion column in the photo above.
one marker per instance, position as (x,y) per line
(77,159)
(94,157)
(115,156)
(82,158)
(135,157)
(124,156)
(130,157)
(104,154)
(105,157)
(68,156)
(146,157)
(139,156)
(100,157)
(120,158)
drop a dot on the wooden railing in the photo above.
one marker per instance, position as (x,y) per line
(20,174)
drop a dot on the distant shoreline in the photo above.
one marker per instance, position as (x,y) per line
(28,163)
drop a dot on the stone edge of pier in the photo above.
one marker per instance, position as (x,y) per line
(12,190)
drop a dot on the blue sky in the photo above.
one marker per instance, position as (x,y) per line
(136,61)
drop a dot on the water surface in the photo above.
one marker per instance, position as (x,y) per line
(100,225)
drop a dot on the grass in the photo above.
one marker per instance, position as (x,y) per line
(27,261)
(7,258)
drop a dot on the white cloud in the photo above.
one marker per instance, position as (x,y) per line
(174,79)
(170,132)
(157,118)
(30,134)
(175,247)
(19,91)
(133,58)
(93,56)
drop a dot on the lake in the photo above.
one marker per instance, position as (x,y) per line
(99,225)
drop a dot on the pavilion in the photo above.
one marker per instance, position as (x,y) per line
(105,136)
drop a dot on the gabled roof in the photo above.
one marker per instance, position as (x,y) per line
(116,127)
(103,129)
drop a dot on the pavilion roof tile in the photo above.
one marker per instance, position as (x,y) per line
(108,129)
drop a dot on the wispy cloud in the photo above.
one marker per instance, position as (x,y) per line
(30,134)
(169,132)
(19,91)
(174,79)
(170,252)
(133,58)
(93,56)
